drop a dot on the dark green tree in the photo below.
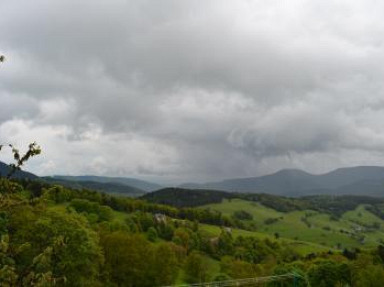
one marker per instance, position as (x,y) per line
(195,268)
(152,234)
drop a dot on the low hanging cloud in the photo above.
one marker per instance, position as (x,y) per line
(183,90)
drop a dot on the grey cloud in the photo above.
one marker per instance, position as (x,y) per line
(200,91)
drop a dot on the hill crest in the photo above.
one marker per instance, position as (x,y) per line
(19,174)
(359,180)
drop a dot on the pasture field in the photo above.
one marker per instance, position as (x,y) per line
(356,228)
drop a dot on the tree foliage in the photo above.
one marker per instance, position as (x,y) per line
(20,159)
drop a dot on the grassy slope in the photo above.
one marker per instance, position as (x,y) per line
(293,231)
(322,229)
(322,234)
(301,247)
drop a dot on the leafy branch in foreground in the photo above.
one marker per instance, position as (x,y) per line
(33,150)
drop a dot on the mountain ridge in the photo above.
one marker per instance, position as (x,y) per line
(128,181)
(106,187)
(359,180)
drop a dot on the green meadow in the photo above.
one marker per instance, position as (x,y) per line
(353,229)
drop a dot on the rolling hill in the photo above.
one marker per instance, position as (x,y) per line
(106,187)
(181,197)
(116,186)
(335,221)
(132,182)
(5,169)
(361,180)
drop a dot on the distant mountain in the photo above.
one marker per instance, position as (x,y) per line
(5,169)
(346,176)
(361,180)
(106,187)
(132,182)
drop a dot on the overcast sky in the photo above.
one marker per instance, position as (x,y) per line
(193,90)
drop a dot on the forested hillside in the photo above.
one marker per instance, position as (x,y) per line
(56,236)
(107,187)
(5,170)
(335,205)
(132,182)
(182,197)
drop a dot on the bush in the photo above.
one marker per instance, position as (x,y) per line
(242,215)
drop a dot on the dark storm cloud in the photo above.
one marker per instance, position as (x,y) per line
(190,90)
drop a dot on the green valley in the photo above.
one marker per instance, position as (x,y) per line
(57,236)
